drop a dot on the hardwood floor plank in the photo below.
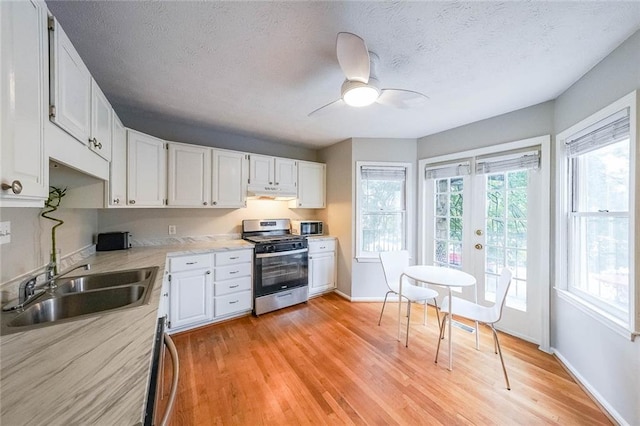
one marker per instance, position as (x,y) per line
(327,362)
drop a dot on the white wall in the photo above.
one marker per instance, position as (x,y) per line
(31,238)
(607,362)
(154,223)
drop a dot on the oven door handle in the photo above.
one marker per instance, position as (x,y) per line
(281,253)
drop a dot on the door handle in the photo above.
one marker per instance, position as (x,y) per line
(478,246)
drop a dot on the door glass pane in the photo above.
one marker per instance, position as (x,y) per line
(448,222)
(506,234)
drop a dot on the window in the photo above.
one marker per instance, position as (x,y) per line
(382,208)
(596,165)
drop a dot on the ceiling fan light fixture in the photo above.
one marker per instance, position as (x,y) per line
(359,94)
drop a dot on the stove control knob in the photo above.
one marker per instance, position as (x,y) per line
(270,249)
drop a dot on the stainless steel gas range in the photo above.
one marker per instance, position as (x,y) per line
(281,264)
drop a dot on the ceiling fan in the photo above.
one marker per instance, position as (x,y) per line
(362,87)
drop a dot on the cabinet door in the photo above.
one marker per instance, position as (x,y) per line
(70,87)
(118,165)
(311,185)
(100,139)
(146,170)
(229,183)
(261,170)
(191,298)
(321,272)
(189,175)
(23,102)
(286,174)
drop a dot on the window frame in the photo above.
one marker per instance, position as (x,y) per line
(360,255)
(565,221)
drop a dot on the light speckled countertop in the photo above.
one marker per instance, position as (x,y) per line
(94,370)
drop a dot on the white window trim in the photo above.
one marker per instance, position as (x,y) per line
(632,329)
(410,218)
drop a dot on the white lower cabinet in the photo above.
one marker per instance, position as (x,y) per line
(232,282)
(190,291)
(204,288)
(322,266)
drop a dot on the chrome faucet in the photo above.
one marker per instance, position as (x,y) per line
(28,290)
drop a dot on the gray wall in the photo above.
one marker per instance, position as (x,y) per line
(338,214)
(607,361)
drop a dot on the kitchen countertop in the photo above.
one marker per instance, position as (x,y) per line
(93,370)
(320,237)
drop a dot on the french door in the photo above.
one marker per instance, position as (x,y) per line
(486,210)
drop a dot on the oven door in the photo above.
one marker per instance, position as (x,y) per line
(275,272)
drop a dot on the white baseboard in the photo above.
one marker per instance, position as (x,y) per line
(604,404)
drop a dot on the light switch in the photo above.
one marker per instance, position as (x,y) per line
(5,232)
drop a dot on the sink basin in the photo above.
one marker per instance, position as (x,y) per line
(83,296)
(105,280)
(78,304)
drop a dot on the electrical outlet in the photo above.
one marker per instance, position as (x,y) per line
(5,232)
(172,230)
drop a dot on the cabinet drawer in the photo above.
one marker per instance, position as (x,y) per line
(235,256)
(231,303)
(184,263)
(322,246)
(232,286)
(233,271)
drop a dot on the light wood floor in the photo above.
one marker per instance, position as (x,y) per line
(328,362)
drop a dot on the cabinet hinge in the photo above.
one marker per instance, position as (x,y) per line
(169,278)
(51,24)
(52,110)
(166,202)
(249,180)
(169,324)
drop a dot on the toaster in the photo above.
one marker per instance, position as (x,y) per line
(113,241)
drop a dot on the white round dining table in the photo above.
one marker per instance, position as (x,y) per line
(439,276)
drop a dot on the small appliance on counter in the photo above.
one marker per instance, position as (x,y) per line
(113,241)
(307,227)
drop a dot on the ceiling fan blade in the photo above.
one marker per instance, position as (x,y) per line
(326,108)
(353,57)
(401,98)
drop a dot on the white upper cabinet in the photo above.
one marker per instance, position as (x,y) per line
(272,175)
(286,174)
(70,88)
(311,186)
(189,175)
(146,170)
(118,165)
(229,179)
(100,139)
(23,103)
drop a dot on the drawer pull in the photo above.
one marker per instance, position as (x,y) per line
(234,286)
(234,258)
(233,272)
(323,247)
(233,302)
(191,263)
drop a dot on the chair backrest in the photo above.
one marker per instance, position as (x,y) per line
(393,263)
(501,294)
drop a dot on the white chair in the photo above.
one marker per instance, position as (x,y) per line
(393,263)
(488,315)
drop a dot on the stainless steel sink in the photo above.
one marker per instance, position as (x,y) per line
(83,296)
(104,280)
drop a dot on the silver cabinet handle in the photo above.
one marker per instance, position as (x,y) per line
(234,286)
(234,257)
(95,143)
(208,272)
(191,263)
(116,201)
(204,204)
(15,187)
(233,272)
(233,302)
(174,379)
(132,201)
(214,203)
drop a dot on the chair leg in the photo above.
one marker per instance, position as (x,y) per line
(504,369)
(383,305)
(424,314)
(435,302)
(406,343)
(442,327)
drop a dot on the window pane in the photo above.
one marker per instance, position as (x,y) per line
(448,201)
(601,260)
(382,232)
(603,179)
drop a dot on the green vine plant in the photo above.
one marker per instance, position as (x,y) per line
(50,206)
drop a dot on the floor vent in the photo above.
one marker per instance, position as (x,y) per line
(464,327)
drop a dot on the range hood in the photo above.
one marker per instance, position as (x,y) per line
(269,192)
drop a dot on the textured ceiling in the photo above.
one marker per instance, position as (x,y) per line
(258,68)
